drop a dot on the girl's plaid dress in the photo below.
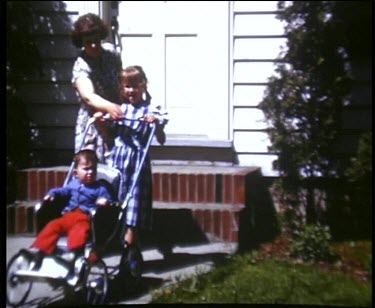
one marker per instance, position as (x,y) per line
(130,138)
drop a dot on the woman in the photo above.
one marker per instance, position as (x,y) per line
(95,78)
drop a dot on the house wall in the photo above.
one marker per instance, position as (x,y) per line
(254,45)
(50,101)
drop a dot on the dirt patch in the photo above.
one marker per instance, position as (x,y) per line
(279,249)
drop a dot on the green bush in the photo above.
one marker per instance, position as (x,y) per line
(311,243)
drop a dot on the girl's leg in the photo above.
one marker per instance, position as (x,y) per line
(130,237)
(131,257)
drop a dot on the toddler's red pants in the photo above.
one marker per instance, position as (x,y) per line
(75,225)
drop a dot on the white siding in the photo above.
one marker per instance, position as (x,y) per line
(257,48)
(248,96)
(252,72)
(259,141)
(83,7)
(257,24)
(257,38)
(248,118)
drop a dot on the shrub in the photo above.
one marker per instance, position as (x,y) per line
(311,243)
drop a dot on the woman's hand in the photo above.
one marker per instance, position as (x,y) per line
(98,116)
(114,111)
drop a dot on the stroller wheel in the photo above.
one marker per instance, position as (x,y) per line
(95,283)
(18,287)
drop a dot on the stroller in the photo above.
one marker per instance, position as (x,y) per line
(91,275)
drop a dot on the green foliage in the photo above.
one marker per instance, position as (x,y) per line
(359,172)
(304,101)
(268,281)
(359,177)
(350,201)
(311,243)
(360,169)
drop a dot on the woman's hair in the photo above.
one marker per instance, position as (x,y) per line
(133,75)
(88,155)
(88,25)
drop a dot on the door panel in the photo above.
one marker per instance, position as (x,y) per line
(183,48)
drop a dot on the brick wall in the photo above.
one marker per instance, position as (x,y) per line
(213,196)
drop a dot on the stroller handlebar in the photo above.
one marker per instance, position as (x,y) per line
(107,117)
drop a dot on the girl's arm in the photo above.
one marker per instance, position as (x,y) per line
(160,116)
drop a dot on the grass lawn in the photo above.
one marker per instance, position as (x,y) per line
(258,278)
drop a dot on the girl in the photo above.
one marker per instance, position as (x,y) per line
(129,137)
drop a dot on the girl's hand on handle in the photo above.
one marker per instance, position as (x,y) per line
(149,118)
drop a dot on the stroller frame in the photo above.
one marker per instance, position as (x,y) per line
(87,274)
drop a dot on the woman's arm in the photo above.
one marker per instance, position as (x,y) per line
(87,93)
(103,128)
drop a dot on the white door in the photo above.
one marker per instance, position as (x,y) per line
(183,48)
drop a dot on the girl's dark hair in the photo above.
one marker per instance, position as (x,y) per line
(134,75)
(88,155)
(88,25)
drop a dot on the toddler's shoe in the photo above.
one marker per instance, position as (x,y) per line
(36,258)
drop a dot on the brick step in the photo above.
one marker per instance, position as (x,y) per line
(214,221)
(212,196)
(197,184)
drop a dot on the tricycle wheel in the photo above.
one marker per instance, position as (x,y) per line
(95,282)
(18,287)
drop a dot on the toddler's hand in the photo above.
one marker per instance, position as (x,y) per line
(102,202)
(48,198)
